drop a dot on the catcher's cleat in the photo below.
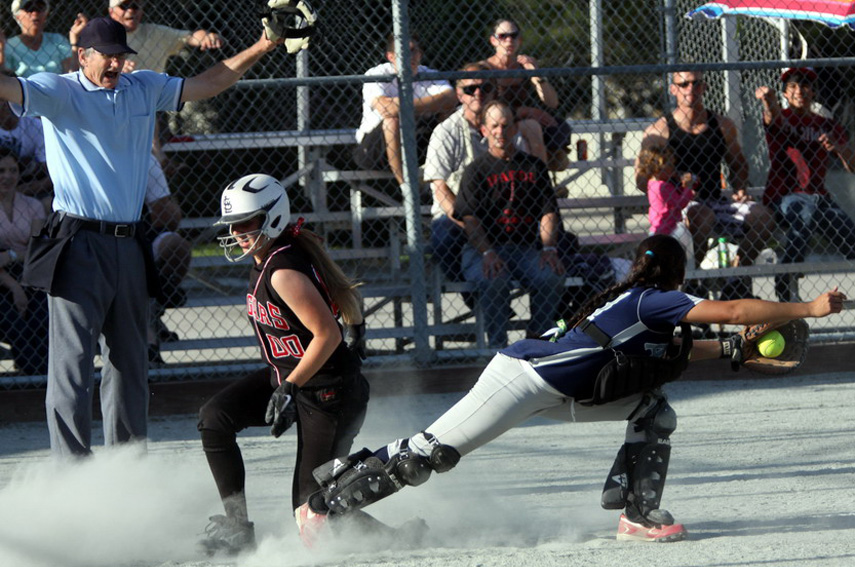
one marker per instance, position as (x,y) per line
(312,524)
(227,535)
(634,531)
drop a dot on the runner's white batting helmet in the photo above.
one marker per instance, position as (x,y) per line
(248,197)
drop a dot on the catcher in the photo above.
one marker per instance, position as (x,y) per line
(607,364)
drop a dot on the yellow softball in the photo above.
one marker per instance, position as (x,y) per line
(771,344)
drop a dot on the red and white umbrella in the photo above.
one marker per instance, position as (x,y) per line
(833,13)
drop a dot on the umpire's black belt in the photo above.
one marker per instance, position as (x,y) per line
(117,229)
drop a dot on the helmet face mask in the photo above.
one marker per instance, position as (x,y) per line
(252,196)
(230,243)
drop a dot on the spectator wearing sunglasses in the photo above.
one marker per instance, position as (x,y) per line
(533,100)
(378,137)
(34,50)
(454,144)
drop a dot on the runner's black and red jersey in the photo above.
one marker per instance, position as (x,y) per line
(282,336)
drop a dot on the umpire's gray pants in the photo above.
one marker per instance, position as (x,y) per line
(100,291)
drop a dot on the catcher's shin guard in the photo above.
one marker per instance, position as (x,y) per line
(617,485)
(637,477)
(363,479)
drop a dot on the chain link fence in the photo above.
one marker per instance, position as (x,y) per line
(298,118)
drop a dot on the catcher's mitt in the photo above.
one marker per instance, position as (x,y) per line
(795,333)
(293,20)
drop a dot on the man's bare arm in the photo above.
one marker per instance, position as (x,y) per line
(734,158)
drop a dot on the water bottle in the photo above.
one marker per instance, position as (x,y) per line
(723,253)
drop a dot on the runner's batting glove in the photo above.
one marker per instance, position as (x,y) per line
(282,408)
(732,348)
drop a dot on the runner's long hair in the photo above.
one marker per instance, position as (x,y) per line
(343,291)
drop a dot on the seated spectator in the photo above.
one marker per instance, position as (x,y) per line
(23,312)
(667,196)
(172,255)
(36,50)
(507,204)
(454,144)
(702,140)
(801,142)
(378,137)
(25,137)
(155,44)
(533,100)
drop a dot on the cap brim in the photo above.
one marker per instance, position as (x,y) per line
(112,49)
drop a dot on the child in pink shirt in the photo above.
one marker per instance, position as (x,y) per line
(667,197)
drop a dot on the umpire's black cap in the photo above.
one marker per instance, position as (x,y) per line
(106,36)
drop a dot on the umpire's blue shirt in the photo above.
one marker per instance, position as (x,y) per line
(97,140)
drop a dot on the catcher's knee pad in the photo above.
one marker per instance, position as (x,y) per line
(657,419)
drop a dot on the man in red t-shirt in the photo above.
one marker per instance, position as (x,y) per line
(800,142)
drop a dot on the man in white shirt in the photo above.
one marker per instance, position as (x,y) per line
(379,136)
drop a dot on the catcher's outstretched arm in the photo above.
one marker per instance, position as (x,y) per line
(753,311)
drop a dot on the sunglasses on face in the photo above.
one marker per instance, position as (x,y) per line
(486,88)
(687,84)
(125,6)
(509,35)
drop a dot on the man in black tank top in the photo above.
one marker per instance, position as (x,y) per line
(702,140)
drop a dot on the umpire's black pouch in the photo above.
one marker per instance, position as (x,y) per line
(44,250)
(49,240)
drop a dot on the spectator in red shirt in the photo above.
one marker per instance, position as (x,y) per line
(800,143)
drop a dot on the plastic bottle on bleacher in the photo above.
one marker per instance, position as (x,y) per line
(723,253)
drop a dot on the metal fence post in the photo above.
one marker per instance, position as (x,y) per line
(410,188)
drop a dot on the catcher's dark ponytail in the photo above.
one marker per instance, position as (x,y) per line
(660,261)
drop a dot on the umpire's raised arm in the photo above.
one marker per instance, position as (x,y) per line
(224,74)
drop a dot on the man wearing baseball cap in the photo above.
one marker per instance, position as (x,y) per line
(90,255)
(800,142)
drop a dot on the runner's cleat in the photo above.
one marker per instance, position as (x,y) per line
(227,535)
(631,531)
(310,523)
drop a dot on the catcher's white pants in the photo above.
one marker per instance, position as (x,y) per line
(507,393)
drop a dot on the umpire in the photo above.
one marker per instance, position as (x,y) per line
(90,256)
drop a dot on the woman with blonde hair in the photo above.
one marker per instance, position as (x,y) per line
(296,296)
(532,99)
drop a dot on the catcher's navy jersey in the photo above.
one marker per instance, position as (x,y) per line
(641,321)
(282,336)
